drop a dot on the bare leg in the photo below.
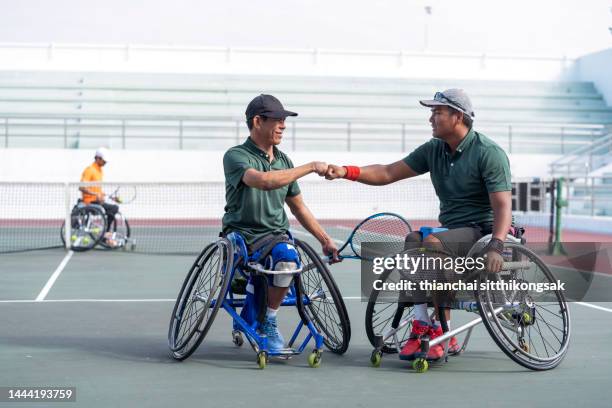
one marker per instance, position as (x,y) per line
(435,244)
(276,296)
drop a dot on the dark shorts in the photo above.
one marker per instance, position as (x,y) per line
(455,241)
(459,241)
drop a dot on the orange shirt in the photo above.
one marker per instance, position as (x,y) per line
(92,173)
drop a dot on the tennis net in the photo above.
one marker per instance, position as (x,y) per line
(181,218)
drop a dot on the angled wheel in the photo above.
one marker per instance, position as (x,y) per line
(326,307)
(200,298)
(87,229)
(120,228)
(384,313)
(530,327)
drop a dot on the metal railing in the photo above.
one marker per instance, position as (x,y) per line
(399,57)
(586,159)
(340,134)
(589,195)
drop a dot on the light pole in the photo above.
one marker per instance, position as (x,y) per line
(428,10)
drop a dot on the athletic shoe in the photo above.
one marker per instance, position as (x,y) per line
(435,352)
(270,329)
(453,346)
(413,345)
(109,240)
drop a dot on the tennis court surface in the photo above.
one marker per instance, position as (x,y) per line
(98,321)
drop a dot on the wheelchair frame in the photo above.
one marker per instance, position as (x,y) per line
(420,363)
(82,207)
(239,261)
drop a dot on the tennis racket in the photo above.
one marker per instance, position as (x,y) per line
(123,194)
(382,227)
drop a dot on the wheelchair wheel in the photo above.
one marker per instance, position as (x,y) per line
(120,228)
(87,230)
(384,313)
(326,308)
(200,298)
(530,327)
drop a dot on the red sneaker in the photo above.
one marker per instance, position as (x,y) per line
(435,352)
(413,345)
(453,346)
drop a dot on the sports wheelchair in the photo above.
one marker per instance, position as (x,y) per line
(89,225)
(210,286)
(533,329)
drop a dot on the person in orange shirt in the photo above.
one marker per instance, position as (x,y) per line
(93,194)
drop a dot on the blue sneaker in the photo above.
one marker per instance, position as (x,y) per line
(270,329)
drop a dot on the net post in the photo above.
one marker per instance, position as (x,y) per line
(560,203)
(67,216)
(551,226)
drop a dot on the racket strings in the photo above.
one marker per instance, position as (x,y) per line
(385,229)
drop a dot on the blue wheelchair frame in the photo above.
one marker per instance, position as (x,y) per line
(246,321)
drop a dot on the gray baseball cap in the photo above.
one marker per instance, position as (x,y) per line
(455,98)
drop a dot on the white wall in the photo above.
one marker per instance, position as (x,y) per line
(274,61)
(59,165)
(597,68)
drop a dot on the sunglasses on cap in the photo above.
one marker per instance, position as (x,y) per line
(440,97)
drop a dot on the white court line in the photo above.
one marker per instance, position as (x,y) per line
(115,300)
(43,293)
(304,234)
(603,309)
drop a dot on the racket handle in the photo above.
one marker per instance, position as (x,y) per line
(327,259)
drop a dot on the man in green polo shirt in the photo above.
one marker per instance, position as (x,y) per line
(471,176)
(259,180)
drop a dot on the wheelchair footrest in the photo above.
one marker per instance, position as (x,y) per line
(285,353)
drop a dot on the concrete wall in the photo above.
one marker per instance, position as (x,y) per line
(596,68)
(59,165)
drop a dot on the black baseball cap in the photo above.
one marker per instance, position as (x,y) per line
(267,105)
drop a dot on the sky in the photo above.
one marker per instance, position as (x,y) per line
(531,27)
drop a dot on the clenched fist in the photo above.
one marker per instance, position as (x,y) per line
(334,172)
(319,167)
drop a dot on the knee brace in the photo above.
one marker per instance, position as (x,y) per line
(282,257)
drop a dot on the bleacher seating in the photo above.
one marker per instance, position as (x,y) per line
(171,111)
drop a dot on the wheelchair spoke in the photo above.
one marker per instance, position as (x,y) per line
(550,327)
(325,308)
(542,337)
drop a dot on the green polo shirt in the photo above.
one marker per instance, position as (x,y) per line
(463,180)
(251,211)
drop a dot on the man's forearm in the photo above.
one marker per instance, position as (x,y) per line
(272,180)
(310,223)
(502,220)
(86,191)
(374,175)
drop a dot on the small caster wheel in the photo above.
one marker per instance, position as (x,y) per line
(420,365)
(237,338)
(314,359)
(526,318)
(376,358)
(262,359)
(524,346)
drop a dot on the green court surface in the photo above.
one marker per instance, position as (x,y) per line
(102,328)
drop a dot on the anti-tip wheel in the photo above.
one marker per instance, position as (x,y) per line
(314,359)
(420,365)
(237,338)
(262,359)
(376,358)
